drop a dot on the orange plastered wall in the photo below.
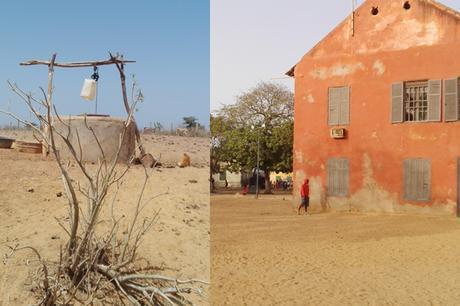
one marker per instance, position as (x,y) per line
(384,49)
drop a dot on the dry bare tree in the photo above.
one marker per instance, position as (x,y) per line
(96,263)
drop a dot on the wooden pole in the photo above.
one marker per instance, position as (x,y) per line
(121,70)
(110,61)
(50,79)
(49,98)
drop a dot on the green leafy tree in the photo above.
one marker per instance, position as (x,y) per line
(264,114)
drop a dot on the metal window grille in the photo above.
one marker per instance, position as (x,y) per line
(416,101)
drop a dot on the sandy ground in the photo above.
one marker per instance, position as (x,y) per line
(262,253)
(179,242)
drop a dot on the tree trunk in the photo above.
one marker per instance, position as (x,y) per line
(212,186)
(268,184)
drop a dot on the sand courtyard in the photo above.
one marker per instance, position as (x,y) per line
(262,253)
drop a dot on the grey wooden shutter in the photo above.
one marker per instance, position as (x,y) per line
(406,178)
(344,105)
(451,100)
(425,188)
(338,185)
(417,179)
(333,111)
(434,100)
(410,179)
(397,102)
(328,177)
(337,177)
(417,171)
(330,164)
(344,177)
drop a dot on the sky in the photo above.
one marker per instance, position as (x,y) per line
(169,39)
(260,40)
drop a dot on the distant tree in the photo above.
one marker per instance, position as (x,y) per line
(190,122)
(264,112)
(217,126)
(157,127)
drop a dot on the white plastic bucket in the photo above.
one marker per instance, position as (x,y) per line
(88,91)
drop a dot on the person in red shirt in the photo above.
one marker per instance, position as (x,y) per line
(305,196)
(245,189)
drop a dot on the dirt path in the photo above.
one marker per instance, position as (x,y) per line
(264,254)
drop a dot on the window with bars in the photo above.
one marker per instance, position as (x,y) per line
(416,101)
(337,177)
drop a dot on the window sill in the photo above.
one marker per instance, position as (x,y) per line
(418,122)
(412,201)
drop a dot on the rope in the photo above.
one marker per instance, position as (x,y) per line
(97,94)
(95,76)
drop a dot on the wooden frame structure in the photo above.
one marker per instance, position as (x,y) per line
(116,60)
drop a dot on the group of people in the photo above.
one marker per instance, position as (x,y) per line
(282,184)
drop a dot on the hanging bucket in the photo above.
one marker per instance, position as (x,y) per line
(88,91)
